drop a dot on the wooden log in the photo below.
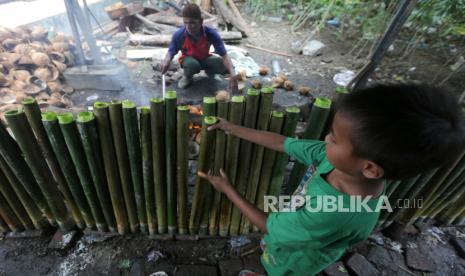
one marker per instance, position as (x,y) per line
(206,5)
(229,17)
(164,39)
(164,18)
(182,161)
(239,17)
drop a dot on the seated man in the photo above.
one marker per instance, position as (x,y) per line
(194,40)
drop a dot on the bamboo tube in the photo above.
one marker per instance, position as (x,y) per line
(131,130)
(460,220)
(87,128)
(203,164)
(266,100)
(147,169)
(245,155)
(9,216)
(12,156)
(452,213)
(209,106)
(70,134)
(14,202)
(57,141)
(170,156)
(182,161)
(219,163)
(3,226)
(157,114)
(33,114)
(236,115)
(282,159)
(31,208)
(117,130)
(269,158)
(111,166)
(23,133)
(316,122)
(338,93)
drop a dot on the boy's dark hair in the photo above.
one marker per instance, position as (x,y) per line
(191,11)
(404,128)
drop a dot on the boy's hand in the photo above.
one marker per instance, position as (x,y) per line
(222,125)
(220,183)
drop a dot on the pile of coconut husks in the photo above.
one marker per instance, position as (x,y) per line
(31,65)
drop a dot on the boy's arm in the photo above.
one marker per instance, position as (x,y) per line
(221,183)
(265,138)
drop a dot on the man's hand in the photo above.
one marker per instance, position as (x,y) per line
(233,87)
(164,66)
(222,125)
(220,183)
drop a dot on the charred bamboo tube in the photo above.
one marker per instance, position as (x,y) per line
(57,141)
(3,226)
(12,156)
(157,113)
(87,128)
(147,169)
(117,129)
(182,161)
(316,122)
(14,202)
(219,163)
(33,114)
(131,129)
(26,200)
(9,216)
(269,158)
(266,100)
(245,155)
(71,135)
(289,126)
(34,158)
(203,164)
(170,143)
(236,115)
(209,106)
(111,167)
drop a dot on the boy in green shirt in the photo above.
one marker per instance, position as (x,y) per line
(378,133)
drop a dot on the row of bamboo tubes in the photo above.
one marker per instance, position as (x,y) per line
(126,170)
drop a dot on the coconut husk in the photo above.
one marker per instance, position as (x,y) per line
(25,60)
(47,74)
(59,37)
(40,59)
(18,85)
(10,43)
(12,57)
(284,77)
(22,31)
(256,84)
(5,33)
(9,107)
(69,58)
(61,67)
(43,104)
(42,96)
(21,75)
(4,80)
(7,96)
(57,56)
(20,96)
(55,95)
(66,100)
(60,46)
(32,89)
(39,32)
(242,75)
(278,82)
(222,96)
(67,89)
(54,87)
(56,102)
(23,49)
(263,71)
(288,85)
(304,90)
(37,46)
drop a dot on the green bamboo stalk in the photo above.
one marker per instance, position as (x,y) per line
(338,93)
(170,143)
(207,140)
(34,158)
(236,115)
(14,202)
(33,114)
(57,141)
(209,106)
(269,158)
(147,169)
(73,143)
(157,113)
(131,130)
(182,161)
(452,213)
(87,128)
(282,159)
(111,167)
(31,208)
(117,130)
(3,226)
(9,216)
(219,163)
(316,122)
(245,155)
(266,100)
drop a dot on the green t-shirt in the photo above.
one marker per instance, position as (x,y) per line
(305,241)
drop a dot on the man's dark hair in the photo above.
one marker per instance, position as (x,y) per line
(191,11)
(404,128)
